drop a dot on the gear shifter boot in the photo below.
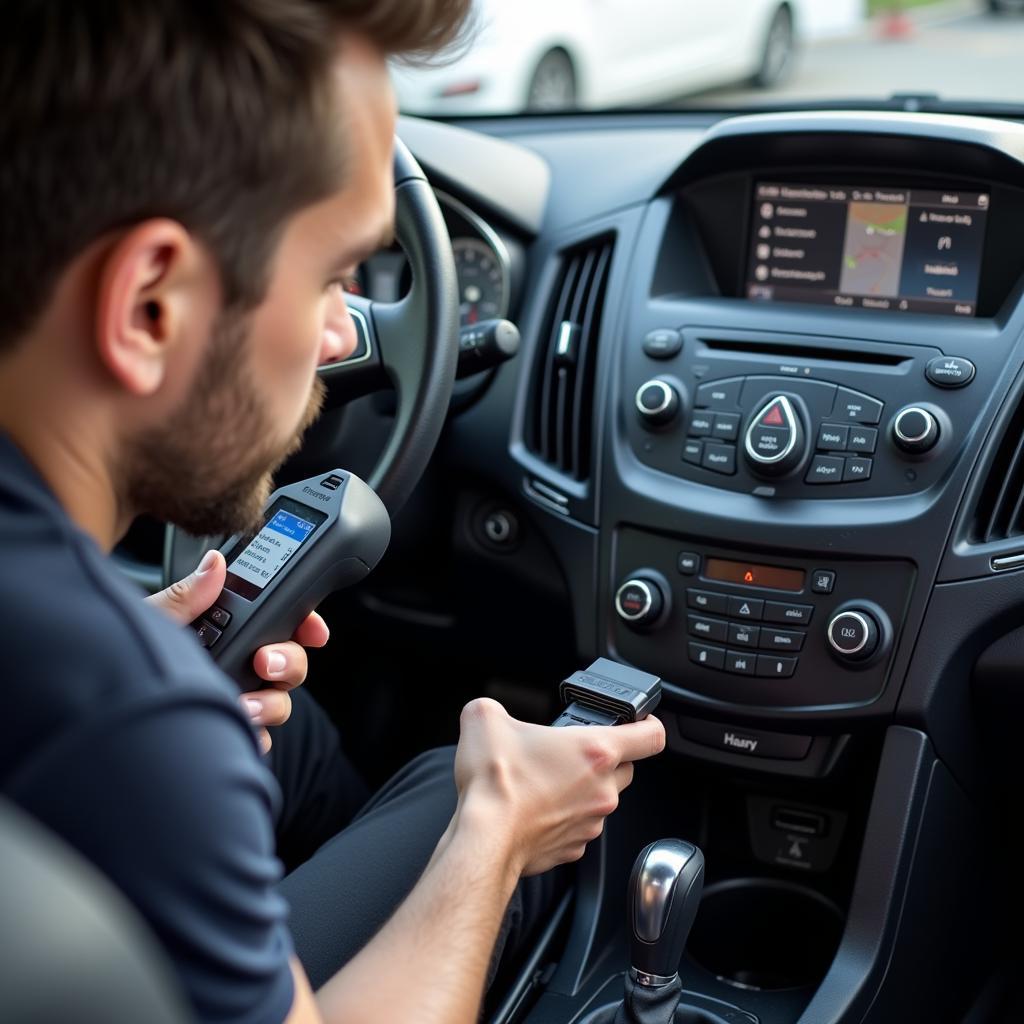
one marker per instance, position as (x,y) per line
(645,1005)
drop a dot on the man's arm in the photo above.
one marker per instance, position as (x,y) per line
(530,797)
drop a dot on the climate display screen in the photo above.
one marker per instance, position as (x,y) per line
(916,250)
(754,575)
(253,564)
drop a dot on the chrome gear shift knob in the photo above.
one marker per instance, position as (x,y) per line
(664,893)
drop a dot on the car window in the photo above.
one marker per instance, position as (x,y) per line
(557,55)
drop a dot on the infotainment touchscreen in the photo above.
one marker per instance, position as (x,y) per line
(916,250)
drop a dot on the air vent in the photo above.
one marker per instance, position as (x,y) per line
(559,428)
(999,513)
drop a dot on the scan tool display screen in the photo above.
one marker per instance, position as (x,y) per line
(867,247)
(254,563)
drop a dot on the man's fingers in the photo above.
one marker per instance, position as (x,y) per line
(190,597)
(285,665)
(267,707)
(312,631)
(637,740)
(623,775)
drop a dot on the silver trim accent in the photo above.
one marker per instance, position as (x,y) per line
(1007,562)
(546,496)
(356,315)
(490,236)
(667,395)
(789,413)
(564,337)
(864,624)
(655,885)
(647,606)
(651,980)
(929,424)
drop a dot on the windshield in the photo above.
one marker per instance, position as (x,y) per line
(559,55)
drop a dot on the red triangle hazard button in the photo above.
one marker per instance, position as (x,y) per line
(773,416)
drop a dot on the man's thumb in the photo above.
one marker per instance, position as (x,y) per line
(191,596)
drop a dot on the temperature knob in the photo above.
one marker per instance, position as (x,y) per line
(639,601)
(853,634)
(775,441)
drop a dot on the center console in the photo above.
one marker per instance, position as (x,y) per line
(809,362)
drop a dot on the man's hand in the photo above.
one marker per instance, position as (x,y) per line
(549,789)
(284,665)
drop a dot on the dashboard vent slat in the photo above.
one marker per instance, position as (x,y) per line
(999,513)
(559,426)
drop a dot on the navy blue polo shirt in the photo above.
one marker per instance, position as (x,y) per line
(119,734)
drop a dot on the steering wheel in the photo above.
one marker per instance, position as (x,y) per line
(410,345)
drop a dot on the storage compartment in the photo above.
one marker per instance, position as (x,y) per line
(765,934)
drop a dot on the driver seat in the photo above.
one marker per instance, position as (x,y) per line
(73,948)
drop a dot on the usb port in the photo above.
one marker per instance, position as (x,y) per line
(333,482)
(806,823)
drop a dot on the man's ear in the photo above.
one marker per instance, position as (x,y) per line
(143,302)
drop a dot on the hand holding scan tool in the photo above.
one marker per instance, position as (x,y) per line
(318,536)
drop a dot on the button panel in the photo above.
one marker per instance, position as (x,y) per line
(740,655)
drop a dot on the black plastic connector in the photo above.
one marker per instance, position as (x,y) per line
(608,693)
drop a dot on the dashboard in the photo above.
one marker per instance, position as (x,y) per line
(764,438)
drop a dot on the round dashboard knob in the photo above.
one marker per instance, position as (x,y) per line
(915,429)
(775,441)
(639,601)
(853,634)
(657,402)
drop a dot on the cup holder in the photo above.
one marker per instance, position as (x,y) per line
(764,933)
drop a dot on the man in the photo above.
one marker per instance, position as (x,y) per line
(183,185)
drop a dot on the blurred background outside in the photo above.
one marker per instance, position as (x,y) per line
(556,55)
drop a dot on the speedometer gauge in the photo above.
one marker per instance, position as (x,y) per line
(483,281)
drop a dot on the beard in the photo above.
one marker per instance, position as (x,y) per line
(209,469)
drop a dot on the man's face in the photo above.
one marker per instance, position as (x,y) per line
(209,467)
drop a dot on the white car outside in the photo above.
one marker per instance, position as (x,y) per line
(589,54)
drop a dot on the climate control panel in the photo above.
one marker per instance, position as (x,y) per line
(756,630)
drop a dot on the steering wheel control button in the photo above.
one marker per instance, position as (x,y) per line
(788,614)
(708,629)
(774,667)
(832,437)
(741,662)
(862,440)
(219,617)
(745,608)
(708,657)
(693,452)
(949,371)
(719,458)
(915,430)
(823,581)
(853,635)
(743,741)
(726,426)
(857,469)
(781,640)
(719,394)
(663,343)
(639,601)
(741,635)
(702,424)
(707,601)
(855,407)
(657,402)
(688,563)
(774,442)
(207,634)
(825,469)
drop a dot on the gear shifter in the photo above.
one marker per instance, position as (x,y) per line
(664,893)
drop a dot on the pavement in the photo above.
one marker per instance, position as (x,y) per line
(955,48)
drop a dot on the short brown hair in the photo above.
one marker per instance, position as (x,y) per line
(216,113)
